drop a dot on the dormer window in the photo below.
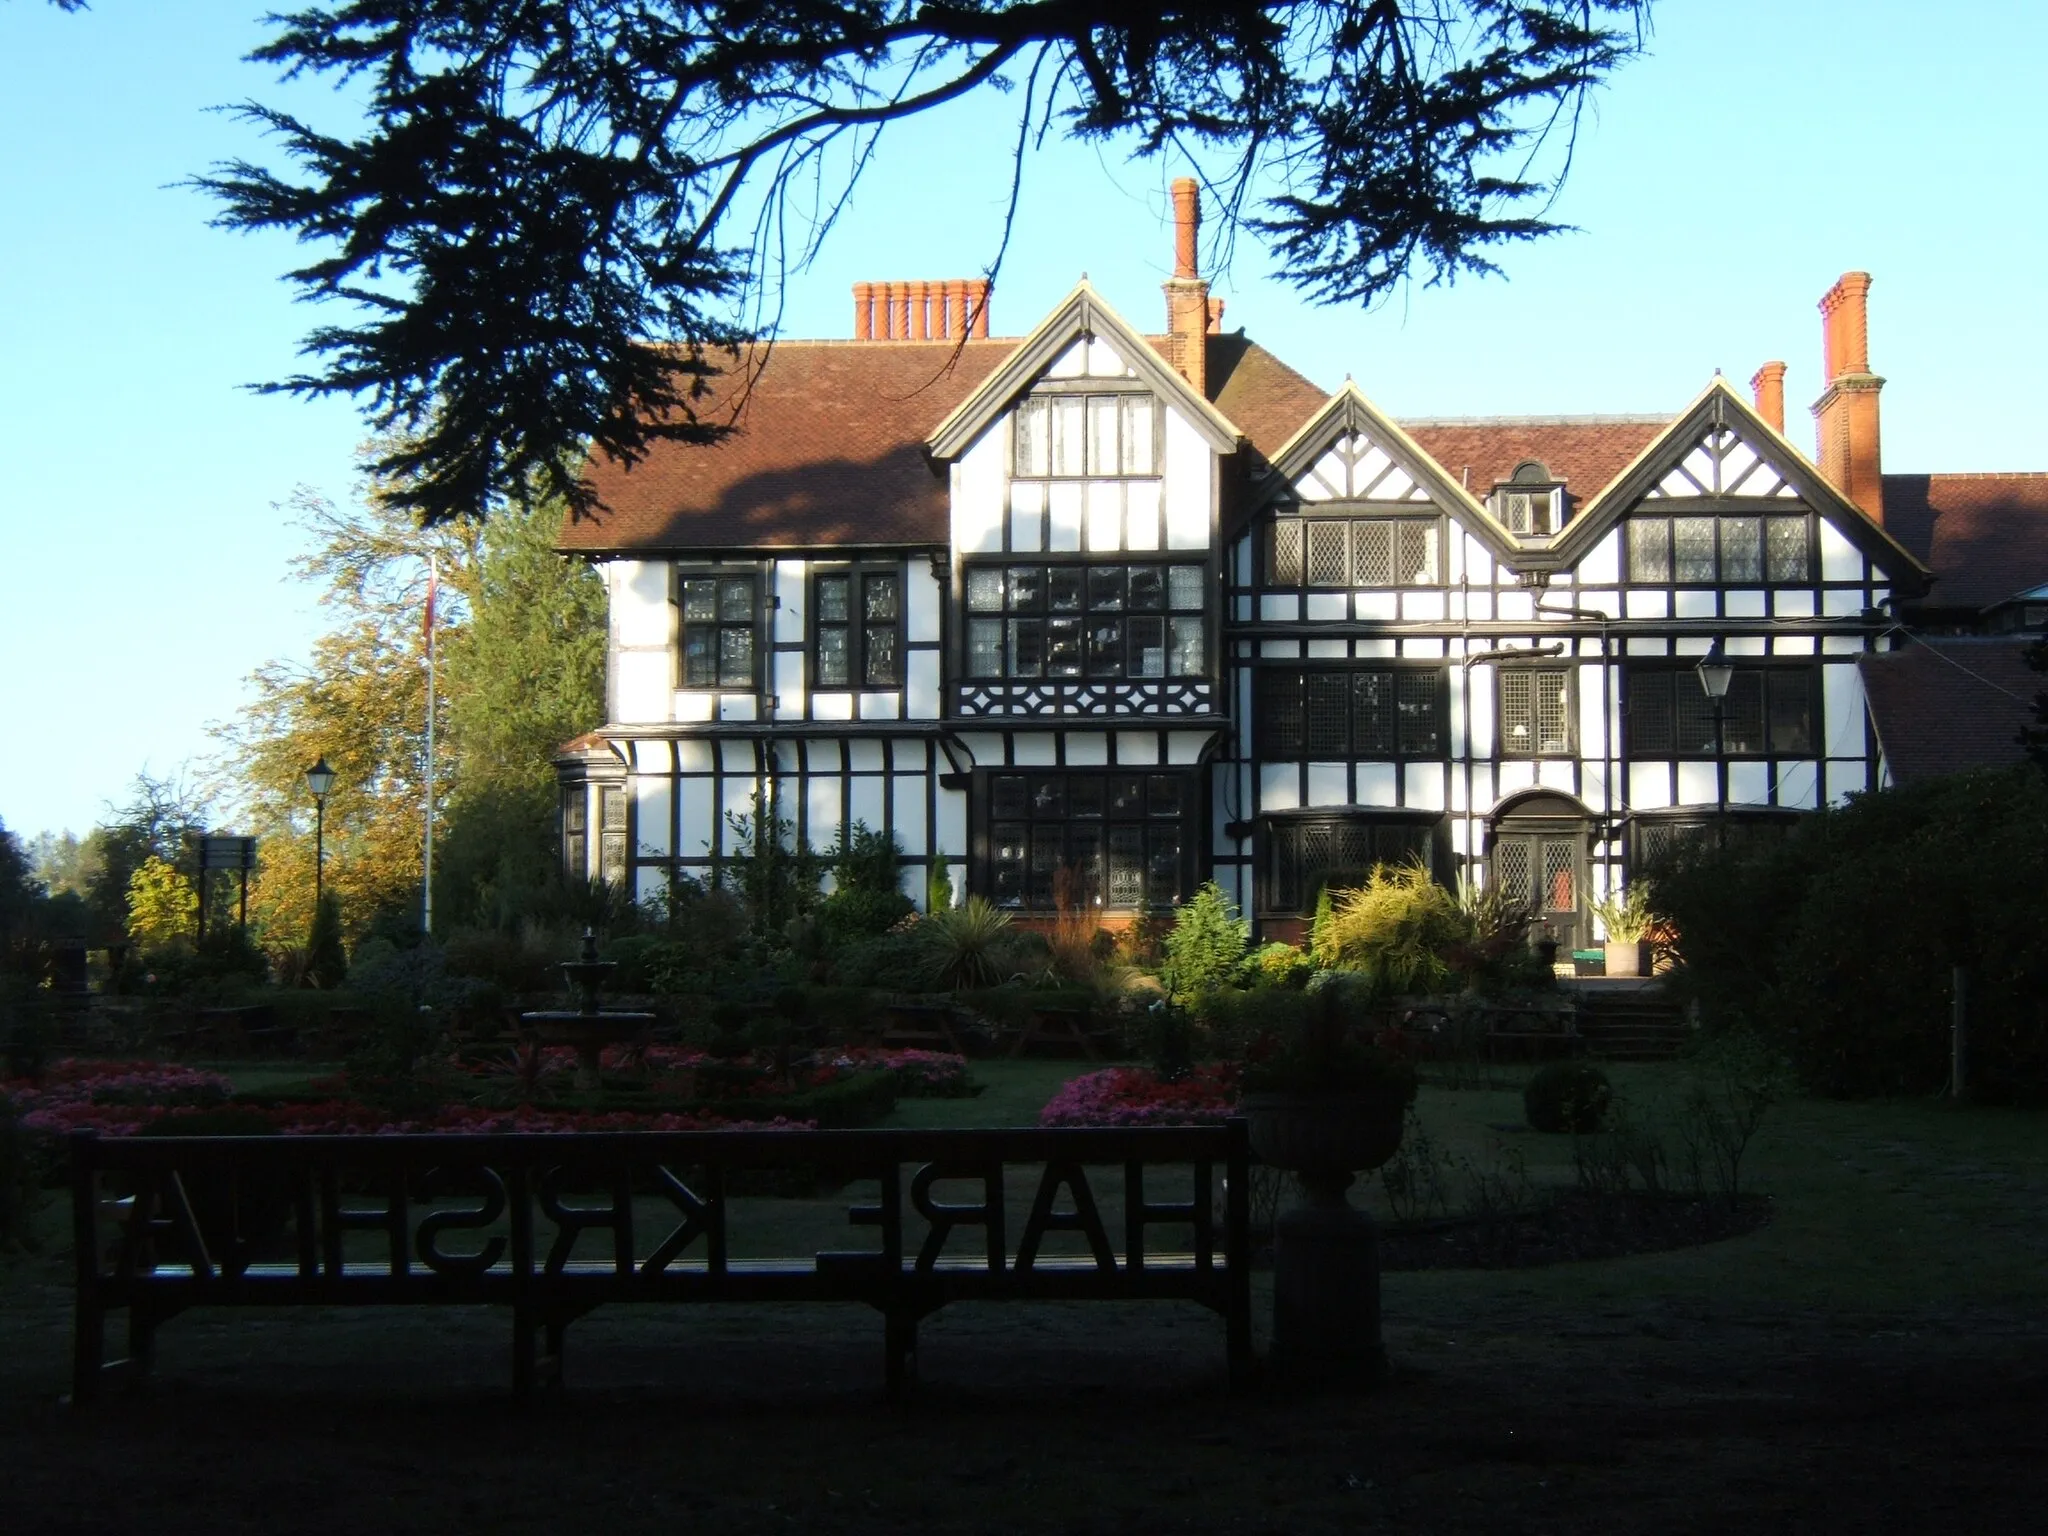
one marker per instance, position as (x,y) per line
(1530,503)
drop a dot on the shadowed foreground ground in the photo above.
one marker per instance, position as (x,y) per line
(1516,1414)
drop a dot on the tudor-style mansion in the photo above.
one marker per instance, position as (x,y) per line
(1098,615)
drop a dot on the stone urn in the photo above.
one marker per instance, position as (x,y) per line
(1326,1267)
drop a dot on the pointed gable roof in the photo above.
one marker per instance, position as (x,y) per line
(1349,411)
(1082,313)
(1719,407)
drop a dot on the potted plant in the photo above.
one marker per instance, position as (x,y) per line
(1324,1107)
(1628,919)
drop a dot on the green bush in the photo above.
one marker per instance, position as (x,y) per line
(888,962)
(1568,1096)
(968,945)
(1207,944)
(326,963)
(1400,930)
(1278,965)
(1836,943)
(21,1194)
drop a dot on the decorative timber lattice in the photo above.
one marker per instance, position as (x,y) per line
(1087,698)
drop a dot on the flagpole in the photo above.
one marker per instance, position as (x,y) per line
(427,883)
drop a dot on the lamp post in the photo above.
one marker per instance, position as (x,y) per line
(319,779)
(1715,674)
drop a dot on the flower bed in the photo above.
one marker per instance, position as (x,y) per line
(117,1098)
(1139,1096)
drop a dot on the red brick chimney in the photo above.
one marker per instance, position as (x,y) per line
(920,311)
(1188,310)
(1767,385)
(1845,416)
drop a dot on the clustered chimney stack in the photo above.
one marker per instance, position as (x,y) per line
(920,311)
(1846,416)
(1190,313)
(1767,385)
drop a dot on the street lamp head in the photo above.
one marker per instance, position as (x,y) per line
(1715,672)
(320,778)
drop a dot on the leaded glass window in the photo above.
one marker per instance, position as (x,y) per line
(611,847)
(1307,855)
(1073,621)
(1328,713)
(1073,435)
(1355,552)
(862,649)
(1768,711)
(1649,550)
(1105,840)
(1732,551)
(1536,711)
(719,617)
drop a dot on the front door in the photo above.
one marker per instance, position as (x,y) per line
(1540,859)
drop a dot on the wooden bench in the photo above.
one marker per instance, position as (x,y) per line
(162,1224)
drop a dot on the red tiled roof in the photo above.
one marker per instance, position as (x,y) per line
(1985,537)
(1264,398)
(1944,706)
(830,450)
(1585,452)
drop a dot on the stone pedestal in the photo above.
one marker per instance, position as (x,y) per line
(1326,1289)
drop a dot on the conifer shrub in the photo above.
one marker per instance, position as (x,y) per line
(1569,1096)
(1207,944)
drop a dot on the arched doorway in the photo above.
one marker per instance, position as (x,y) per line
(1539,850)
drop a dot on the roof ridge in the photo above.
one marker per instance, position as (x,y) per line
(1966,474)
(1536,421)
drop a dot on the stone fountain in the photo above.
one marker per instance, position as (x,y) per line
(587,1027)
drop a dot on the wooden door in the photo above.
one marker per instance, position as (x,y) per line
(1545,867)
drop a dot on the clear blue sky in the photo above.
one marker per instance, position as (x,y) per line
(1723,183)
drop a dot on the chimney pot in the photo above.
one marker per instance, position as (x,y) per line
(1767,385)
(863,311)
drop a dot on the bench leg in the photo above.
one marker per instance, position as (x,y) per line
(900,1352)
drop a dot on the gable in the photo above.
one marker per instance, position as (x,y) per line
(1718,457)
(1082,334)
(1350,452)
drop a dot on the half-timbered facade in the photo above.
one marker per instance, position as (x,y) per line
(1091,616)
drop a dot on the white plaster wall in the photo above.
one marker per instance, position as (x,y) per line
(641,611)
(978,492)
(793,595)
(642,682)
(1843,709)
(1839,559)
(921,691)
(922,601)
(1190,468)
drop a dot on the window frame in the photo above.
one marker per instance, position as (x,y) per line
(855,573)
(719,625)
(1270,559)
(1123,392)
(1723,825)
(1773,674)
(1059,823)
(1569,670)
(1269,678)
(1431,829)
(1009,614)
(1764,516)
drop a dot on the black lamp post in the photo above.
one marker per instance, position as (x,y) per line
(1715,674)
(319,779)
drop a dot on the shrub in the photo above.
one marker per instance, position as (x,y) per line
(326,964)
(1278,965)
(1319,1054)
(1568,1096)
(966,945)
(20,1181)
(1399,929)
(1207,943)
(1836,943)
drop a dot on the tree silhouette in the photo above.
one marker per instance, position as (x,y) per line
(541,187)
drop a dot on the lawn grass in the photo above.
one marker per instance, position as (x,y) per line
(1872,1359)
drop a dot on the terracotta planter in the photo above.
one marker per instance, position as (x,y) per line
(1326,1133)
(1624,959)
